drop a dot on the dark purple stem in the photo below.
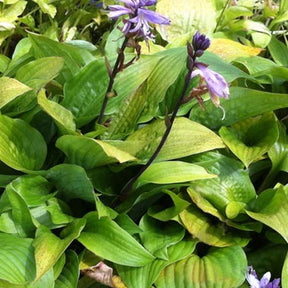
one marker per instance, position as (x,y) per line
(127,189)
(112,79)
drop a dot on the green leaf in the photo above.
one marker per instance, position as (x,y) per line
(74,57)
(38,73)
(49,248)
(185,138)
(84,93)
(125,120)
(279,151)
(17,263)
(284,278)
(187,17)
(35,190)
(220,268)
(23,147)
(90,153)
(202,227)
(232,184)
(70,273)
(21,214)
(106,239)
(4,62)
(170,65)
(169,213)
(271,209)
(242,103)
(63,117)
(133,76)
(46,281)
(157,236)
(278,51)
(7,224)
(144,277)
(10,89)
(173,172)
(11,13)
(71,182)
(46,7)
(251,138)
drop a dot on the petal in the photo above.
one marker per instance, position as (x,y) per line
(153,17)
(147,2)
(117,11)
(265,279)
(130,3)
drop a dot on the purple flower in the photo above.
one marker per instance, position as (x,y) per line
(216,83)
(200,43)
(254,282)
(139,17)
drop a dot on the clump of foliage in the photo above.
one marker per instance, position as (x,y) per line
(77,209)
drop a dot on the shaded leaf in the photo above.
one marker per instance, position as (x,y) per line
(70,273)
(158,236)
(71,182)
(251,138)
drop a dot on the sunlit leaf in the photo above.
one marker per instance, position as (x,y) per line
(90,153)
(187,17)
(46,7)
(38,73)
(201,226)
(185,138)
(10,89)
(173,172)
(108,240)
(17,263)
(23,147)
(271,209)
(220,268)
(242,103)
(231,50)
(49,247)
(62,116)
(144,277)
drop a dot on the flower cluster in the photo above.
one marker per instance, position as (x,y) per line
(137,24)
(264,282)
(216,84)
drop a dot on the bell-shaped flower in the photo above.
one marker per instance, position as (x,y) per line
(264,282)
(216,83)
(138,23)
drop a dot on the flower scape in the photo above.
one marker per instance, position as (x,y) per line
(143,144)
